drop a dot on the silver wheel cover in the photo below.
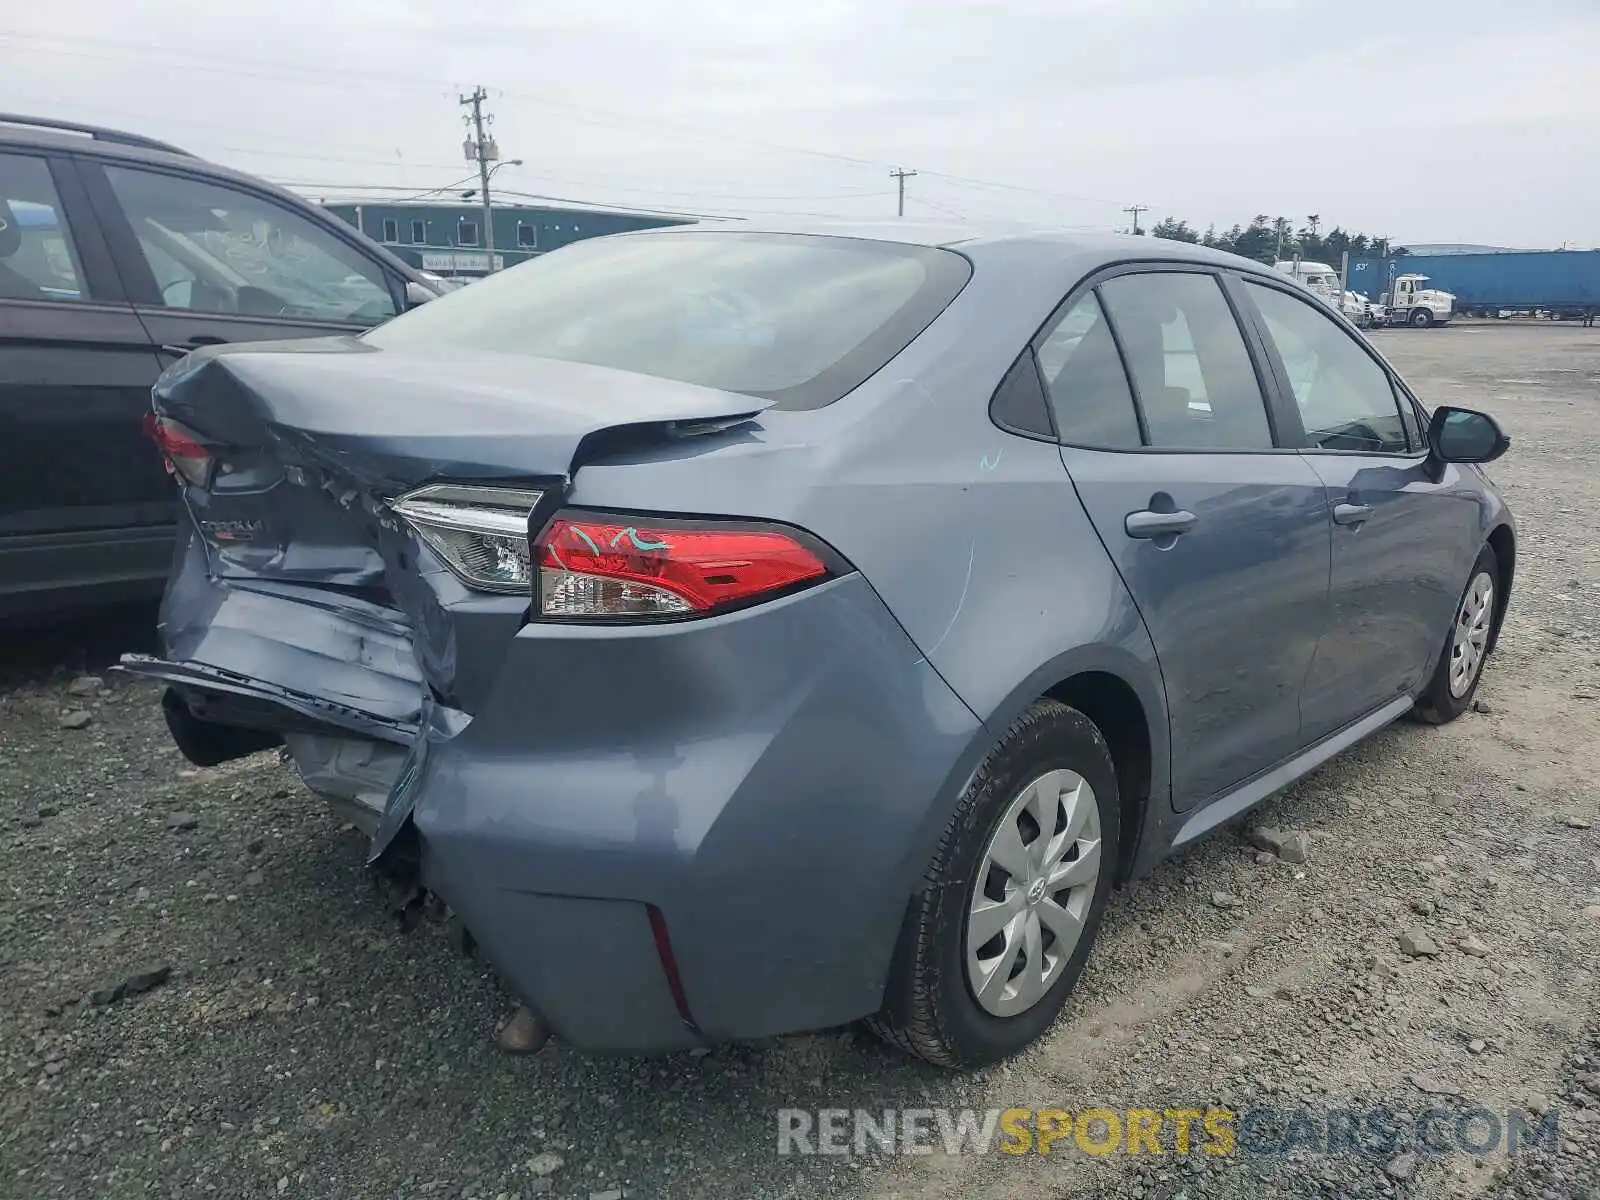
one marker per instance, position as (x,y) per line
(1469,640)
(1032,892)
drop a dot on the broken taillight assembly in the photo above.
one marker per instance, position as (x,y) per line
(481,533)
(594,566)
(608,567)
(181,449)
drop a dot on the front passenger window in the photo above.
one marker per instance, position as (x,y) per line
(1345,398)
(215,249)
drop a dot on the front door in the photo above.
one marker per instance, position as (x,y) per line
(84,501)
(1404,529)
(1220,536)
(208,263)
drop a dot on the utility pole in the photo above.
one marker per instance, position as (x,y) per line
(900,175)
(1136,209)
(482,148)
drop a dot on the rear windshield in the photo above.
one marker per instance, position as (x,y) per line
(797,319)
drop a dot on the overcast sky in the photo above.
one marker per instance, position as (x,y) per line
(1429,121)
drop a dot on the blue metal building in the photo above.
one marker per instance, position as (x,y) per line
(447,238)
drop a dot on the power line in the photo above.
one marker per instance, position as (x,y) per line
(449,187)
(277,68)
(355,192)
(1017,187)
(937,207)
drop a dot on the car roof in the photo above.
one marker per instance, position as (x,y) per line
(98,142)
(974,238)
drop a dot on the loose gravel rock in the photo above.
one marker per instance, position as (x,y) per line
(1418,944)
(305,1045)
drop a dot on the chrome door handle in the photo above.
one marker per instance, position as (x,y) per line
(1351,514)
(1149,524)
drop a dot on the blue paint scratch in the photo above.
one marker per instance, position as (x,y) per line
(987,465)
(632,535)
(586,538)
(972,555)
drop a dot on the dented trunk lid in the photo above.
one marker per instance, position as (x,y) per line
(306,431)
(299,586)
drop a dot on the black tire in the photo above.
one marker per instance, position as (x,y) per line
(1421,319)
(1438,705)
(929,1008)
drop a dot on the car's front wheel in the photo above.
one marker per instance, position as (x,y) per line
(1000,931)
(1455,679)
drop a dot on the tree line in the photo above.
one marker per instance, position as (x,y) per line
(1269,239)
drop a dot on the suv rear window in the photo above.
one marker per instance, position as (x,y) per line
(799,319)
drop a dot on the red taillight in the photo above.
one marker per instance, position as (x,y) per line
(184,454)
(611,567)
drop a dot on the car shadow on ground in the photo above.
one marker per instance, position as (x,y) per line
(82,641)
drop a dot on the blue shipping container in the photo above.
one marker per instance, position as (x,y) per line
(1547,279)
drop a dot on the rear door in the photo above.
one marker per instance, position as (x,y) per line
(1219,532)
(1405,530)
(208,262)
(83,498)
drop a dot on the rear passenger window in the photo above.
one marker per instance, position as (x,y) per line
(37,257)
(1195,382)
(1345,398)
(1088,388)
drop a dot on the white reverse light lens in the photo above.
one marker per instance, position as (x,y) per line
(481,533)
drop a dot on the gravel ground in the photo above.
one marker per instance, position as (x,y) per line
(203,993)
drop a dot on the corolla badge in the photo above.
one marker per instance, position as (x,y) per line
(232,531)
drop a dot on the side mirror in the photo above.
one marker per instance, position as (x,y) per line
(1460,435)
(417,293)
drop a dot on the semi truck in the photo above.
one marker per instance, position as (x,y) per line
(1324,281)
(1401,296)
(1557,283)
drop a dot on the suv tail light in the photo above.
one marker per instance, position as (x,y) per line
(608,566)
(180,448)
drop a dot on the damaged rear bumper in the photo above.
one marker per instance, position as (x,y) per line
(660,835)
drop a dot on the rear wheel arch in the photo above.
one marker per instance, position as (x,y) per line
(1116,710)
(1101,678)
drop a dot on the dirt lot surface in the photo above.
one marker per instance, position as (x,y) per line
(277,1033)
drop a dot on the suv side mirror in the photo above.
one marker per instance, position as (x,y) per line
(417,293)
(1461,435)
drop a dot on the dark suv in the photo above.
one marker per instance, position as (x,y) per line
(118,255)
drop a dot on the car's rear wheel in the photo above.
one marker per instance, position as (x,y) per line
(1455,679)
(998,935)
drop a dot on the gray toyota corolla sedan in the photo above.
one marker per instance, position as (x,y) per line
(748,632)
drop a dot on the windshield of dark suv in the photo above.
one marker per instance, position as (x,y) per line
(797,319)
